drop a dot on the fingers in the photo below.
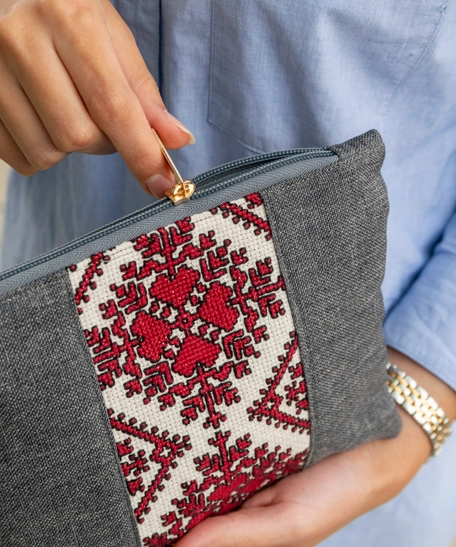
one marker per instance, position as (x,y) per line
(108,96)
(303,509)
(43,116)
(254,527)
(58,104)
(25,127)
(172,132)
(12,154)
(297,511)
(74,80)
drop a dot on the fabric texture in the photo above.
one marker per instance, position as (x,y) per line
(251,87)
(330,232)
(340,69)
(197,357)
(60,482)
(158,214)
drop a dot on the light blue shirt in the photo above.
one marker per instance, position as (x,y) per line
(249,76)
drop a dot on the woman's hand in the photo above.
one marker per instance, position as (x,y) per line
(304,509)
(73,80)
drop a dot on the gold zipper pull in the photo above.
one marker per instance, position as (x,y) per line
(183,189)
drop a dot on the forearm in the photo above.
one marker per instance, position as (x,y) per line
(408,452)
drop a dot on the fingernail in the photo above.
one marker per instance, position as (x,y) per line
(158,185)
(182,127)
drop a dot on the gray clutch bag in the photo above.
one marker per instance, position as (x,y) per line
(169,365)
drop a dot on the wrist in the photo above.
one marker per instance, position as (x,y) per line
(396,461)
(443,395)
(439,390)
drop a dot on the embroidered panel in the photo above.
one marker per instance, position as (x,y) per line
(193,342)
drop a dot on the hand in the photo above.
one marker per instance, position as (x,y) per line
(304,509)
(73,80)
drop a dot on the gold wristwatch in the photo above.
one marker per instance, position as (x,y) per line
(420,405)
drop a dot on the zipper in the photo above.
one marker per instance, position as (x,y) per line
(204,185)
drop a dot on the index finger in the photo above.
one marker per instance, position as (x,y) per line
(84,44)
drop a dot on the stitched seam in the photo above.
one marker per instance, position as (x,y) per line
(306,359)
(420,58)
(210,114)
(121,252)
(82,342)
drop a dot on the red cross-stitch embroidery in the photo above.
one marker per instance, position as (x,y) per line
(228,477)
(270,406)
(182,323)
(246,216)
(193,342)
(87,281)
(164,451)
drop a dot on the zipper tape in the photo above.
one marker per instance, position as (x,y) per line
(214,187)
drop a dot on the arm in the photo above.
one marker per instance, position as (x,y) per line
(73,80)
(303,509)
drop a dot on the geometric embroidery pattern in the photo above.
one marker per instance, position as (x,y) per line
(194,346)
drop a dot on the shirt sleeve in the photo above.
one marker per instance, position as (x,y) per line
(422,325)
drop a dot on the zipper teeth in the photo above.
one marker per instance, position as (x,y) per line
(83,241)
(260,168)
(258,159)
(296,155)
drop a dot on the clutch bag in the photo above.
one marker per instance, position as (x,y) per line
(169,365)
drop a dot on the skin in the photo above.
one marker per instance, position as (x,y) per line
(90,91)
(306,508)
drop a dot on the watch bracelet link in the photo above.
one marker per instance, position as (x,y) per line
(420,405)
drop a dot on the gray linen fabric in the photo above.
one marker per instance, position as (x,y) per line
(60,480)
(329,229)
(123,230)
